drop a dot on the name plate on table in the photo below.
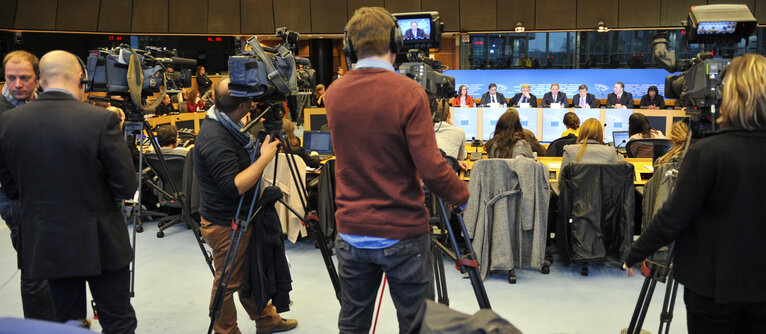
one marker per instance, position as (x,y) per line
(523,105)
(494,105)
(556,105)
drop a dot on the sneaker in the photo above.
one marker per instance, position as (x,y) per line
(281,326)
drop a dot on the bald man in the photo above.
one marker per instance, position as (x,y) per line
(66,161)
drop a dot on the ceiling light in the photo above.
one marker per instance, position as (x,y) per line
(519,27)
(602,27)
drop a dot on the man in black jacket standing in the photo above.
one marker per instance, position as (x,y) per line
(20,83)
(67,163)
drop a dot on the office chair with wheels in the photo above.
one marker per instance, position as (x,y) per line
(175,160)
(648,148)
(556,148)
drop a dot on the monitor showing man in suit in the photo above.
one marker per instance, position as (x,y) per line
(411,29)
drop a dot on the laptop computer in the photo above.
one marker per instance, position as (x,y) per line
(317,141)
(620,140)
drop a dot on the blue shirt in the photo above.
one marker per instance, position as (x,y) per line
(364,241)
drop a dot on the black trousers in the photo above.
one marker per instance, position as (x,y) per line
(110,290)
(704,315)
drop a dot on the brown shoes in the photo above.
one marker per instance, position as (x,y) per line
(270,321)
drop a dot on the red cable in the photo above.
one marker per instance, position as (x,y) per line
(375,324)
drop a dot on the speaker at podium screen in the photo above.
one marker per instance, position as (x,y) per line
(466,119)
(416,28)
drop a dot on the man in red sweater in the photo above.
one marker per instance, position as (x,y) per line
(384,141)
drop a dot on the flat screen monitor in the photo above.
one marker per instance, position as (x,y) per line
(468,120)
(317,141)
(528,118)
(489,121)
(553,121)
(616,120)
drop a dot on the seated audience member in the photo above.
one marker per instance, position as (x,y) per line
(449,138)
(589,147)
(639,128)
(463,99)
(536,146)
(317,100)
(652,99)
(312,161)
(166,107)
(167,138)
(508,140)
(194,103)
(492,96)
(620,99)
(678,137)
(555,96)
(524,97)
(572,122)
(584,99)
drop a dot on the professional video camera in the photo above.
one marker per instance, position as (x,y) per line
(126,72)
(421,32)
(698,88)
(270,75)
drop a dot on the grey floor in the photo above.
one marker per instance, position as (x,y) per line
(173,290)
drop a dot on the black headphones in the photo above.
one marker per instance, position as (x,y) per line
(84,80)
(395,44)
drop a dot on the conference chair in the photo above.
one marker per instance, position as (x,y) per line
(556,148)
(596,212)
(507,216)
(175,160)
(648,148)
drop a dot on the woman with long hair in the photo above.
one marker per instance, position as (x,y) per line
(639,128)
(509,139)
(194,103)
(295,145)
(463,99)
(715,213)
(678,138)
(590,147)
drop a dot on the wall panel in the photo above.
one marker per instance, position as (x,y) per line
(223,17)
(401,6)
(186,16)
(79,15)
(151,16)
(555,14)
(639,14)
(257,17)
(673,11)
(115,15)
(36,14)
(328,16)
(760,11)
(474,15)
(590,12)
(8,14)
(509,12)
(353,5)
(449,10)
(293,14)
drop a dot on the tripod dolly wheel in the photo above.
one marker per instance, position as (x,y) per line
(139,229)
(584,270)
(546,268)
(160,234)
(511,277)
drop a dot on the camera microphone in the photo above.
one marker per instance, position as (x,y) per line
(178,61)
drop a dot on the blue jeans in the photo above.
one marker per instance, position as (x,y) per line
(408,264)
(35,294)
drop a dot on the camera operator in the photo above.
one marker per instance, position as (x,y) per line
(383,135)
(21,69)
(222,163)
(715,213)
(66,162)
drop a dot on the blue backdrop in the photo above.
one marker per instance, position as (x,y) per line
(600,81)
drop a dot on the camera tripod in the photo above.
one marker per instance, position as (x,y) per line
(309,220)
(464,262)
(655,272)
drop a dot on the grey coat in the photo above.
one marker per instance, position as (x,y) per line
(658,189)
(594,153)
(507,216)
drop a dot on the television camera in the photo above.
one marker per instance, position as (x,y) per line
(698,88)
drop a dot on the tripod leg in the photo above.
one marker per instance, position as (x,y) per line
(671,291)
(645,307)
(440,281)
(639,306)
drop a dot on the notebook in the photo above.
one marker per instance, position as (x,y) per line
(317,141)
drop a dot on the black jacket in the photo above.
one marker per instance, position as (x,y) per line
(163,109)
(626,99)
(267,274)
(596,208)
(5,105)
(590,99)
(715,216)
(326,201)
(204,83)
(646,101)
(517,99)
(561,97)
(66,161)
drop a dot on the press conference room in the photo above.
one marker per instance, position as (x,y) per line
(604,150)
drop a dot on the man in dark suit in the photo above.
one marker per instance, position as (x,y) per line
(21,69)
(584,99)
(524,97)
(620,99)
(492,96)
(554,96)
(414,32)
(67,163)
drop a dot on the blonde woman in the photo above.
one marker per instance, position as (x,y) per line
(715,213)
(589,147)
(678,138)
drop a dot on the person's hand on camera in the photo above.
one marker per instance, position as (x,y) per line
(269,147)
(628,270)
